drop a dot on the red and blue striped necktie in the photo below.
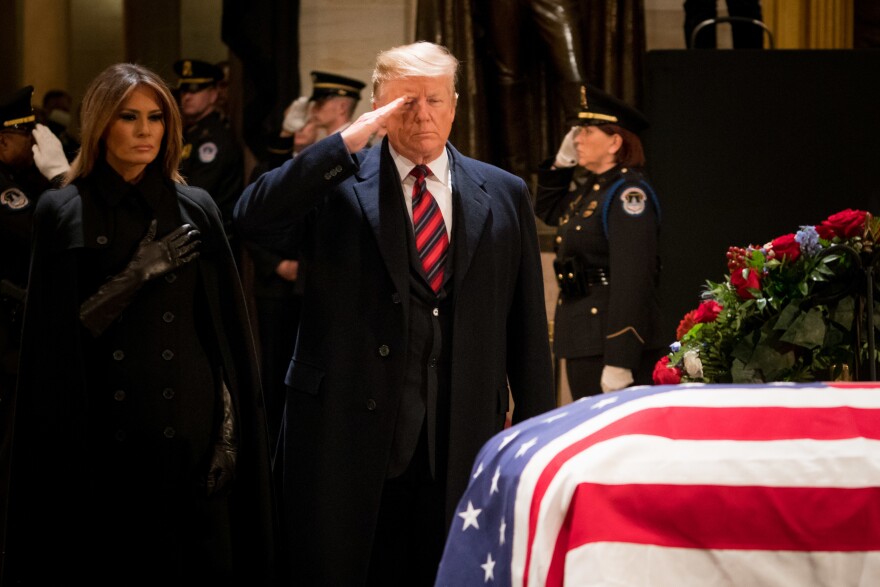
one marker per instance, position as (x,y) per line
(431,238)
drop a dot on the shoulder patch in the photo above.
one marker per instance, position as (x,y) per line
(634,201)
(207,152)
(14,199)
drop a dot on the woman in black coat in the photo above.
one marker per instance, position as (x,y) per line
(140,453)
(606,323)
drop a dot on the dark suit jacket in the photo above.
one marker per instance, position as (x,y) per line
(351,352)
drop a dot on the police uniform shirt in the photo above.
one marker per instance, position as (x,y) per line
(611,229)
(212,160)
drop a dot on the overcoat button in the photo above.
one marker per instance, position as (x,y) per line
(167,354)
(120,435)
(169,432)
(395,298)
(168,393)
(171,278)
(168,317)
(118,355)
(102,240)
(119,395)
(384,351)
(371,404)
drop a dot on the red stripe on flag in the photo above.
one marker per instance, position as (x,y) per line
(721,423)
(720,517)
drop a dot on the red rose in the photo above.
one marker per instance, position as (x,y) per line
(785,246)
(745,280)
(707,311)
(686,324)
(666,375)
(845,224)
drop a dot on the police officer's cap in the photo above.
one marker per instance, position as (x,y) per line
(195,75)
(599,107)
(325,85)
(16,111)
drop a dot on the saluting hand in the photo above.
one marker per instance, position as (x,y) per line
(361,130)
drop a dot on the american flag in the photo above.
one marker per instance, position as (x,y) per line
(682,485)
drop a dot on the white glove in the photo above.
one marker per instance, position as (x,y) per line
(48,153)
(567,155)
(296,115)
(614,378)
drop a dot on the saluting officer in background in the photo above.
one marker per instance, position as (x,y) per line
(212,157)
(606,325)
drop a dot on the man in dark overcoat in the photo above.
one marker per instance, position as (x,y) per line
(410,346)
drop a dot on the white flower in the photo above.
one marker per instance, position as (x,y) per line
(692,364)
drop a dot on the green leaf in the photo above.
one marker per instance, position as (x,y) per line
(741,374)
(770,362)
(807,330)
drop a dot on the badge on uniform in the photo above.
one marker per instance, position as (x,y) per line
(634,201)
(186,152)
(14,199)
(207,152)
(591,207)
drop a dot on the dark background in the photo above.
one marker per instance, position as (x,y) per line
(745,146)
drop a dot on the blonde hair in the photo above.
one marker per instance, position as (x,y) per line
(100,106)
(421,59)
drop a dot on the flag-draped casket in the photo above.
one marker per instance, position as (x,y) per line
(679,485)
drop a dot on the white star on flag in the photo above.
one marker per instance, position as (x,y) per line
(501,531)
(507,439)
(524,448)
(470,517)
(552,419)
(603,402)
(479,470)
(495,478)
(489,567)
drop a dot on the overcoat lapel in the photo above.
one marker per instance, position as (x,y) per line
(378,192)
(472,196)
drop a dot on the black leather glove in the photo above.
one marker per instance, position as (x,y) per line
(152,259)
(221,470)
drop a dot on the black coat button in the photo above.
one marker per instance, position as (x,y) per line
(168,393)
(384,351)
(395,298)
(171,278)
(371,404)
(120,435)
(168,317)
(169,432)
(167,354)
(119,395)
(118,355)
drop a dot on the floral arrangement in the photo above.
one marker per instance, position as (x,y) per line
(790,310)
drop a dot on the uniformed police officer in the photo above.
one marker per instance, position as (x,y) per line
(31,157)
(212,157)
(606,323)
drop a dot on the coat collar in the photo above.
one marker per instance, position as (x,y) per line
(387,214)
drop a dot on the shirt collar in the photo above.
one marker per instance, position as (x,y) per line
(439,167)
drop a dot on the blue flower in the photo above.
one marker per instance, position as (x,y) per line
(675,347)
(808,239)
